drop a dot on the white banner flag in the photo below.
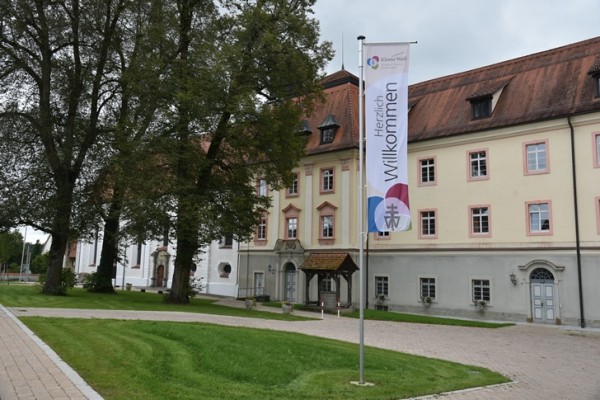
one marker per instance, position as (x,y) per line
(386,122)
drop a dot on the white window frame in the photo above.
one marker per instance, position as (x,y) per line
(478,164)
(382,285)
(291,227)
(481,290)
(536,157)
(427,282)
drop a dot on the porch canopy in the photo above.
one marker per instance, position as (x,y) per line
(329,265)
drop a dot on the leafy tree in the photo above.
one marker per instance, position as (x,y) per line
(240,83)
(11,249)
(57,78)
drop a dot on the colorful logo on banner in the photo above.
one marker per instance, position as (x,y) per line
(391,213)
(373,62)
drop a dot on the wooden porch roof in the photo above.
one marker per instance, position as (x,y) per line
(333,262)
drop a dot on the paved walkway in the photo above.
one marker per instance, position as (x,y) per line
(544,362)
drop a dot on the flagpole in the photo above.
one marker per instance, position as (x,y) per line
(361,269)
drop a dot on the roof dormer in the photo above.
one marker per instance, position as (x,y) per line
(328,129)
(304,128)
(484,100)
(595,73)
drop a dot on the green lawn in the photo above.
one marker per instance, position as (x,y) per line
(15,295)
(424,319)
(168,360)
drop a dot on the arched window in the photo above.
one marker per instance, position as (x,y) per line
(541,274)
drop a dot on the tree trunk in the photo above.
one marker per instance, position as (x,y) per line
(60,238)
(109,254)
(187,245)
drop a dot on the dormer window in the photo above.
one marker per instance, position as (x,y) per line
(485,99)
(594,72)
(482,108)
(328,129)
(304,128)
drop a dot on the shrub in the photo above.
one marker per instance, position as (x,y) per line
(196,286)
(67,281)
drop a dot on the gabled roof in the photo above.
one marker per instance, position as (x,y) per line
(334,262)
(546,85)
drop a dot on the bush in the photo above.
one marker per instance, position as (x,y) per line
(67,281)
(196,286)
(91,281)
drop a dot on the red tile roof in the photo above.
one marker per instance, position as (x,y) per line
(546,85)
(329,262)
(341,94)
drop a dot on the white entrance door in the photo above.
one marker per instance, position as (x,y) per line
(542,302)
(290,284)
(259,283)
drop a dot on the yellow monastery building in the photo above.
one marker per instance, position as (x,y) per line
(504,176)
(504,190)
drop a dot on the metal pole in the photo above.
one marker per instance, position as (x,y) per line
(360,211)
(23,254)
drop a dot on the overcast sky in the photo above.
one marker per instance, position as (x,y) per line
(455,36)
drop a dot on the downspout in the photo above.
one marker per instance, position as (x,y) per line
(576,209)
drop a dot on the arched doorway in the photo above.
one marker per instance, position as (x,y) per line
(543,296)
(290,282)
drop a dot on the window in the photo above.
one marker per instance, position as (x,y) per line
(427,171)
(262,187)
(427,228)
(226,241)
(224,270)
(480,221)
(597,84)
(328,129)
(326,223)
(536,158)
(327,135)
(382,235)
(427,288)
(136,255)
(261,229)
(292,190)
(481,290)
(482,108)
(596,147)
(539,218)
(381,285)
(326,285)
(478,165)
(292,228)
(327,227)
(327,183)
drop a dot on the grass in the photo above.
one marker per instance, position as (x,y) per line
(424,319)
(30,296)
(158,360)
(409,318)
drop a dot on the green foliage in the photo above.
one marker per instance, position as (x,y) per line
(68,280)
(196,287)
(158,360)
(39,263)
(94,282)
(11,249)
